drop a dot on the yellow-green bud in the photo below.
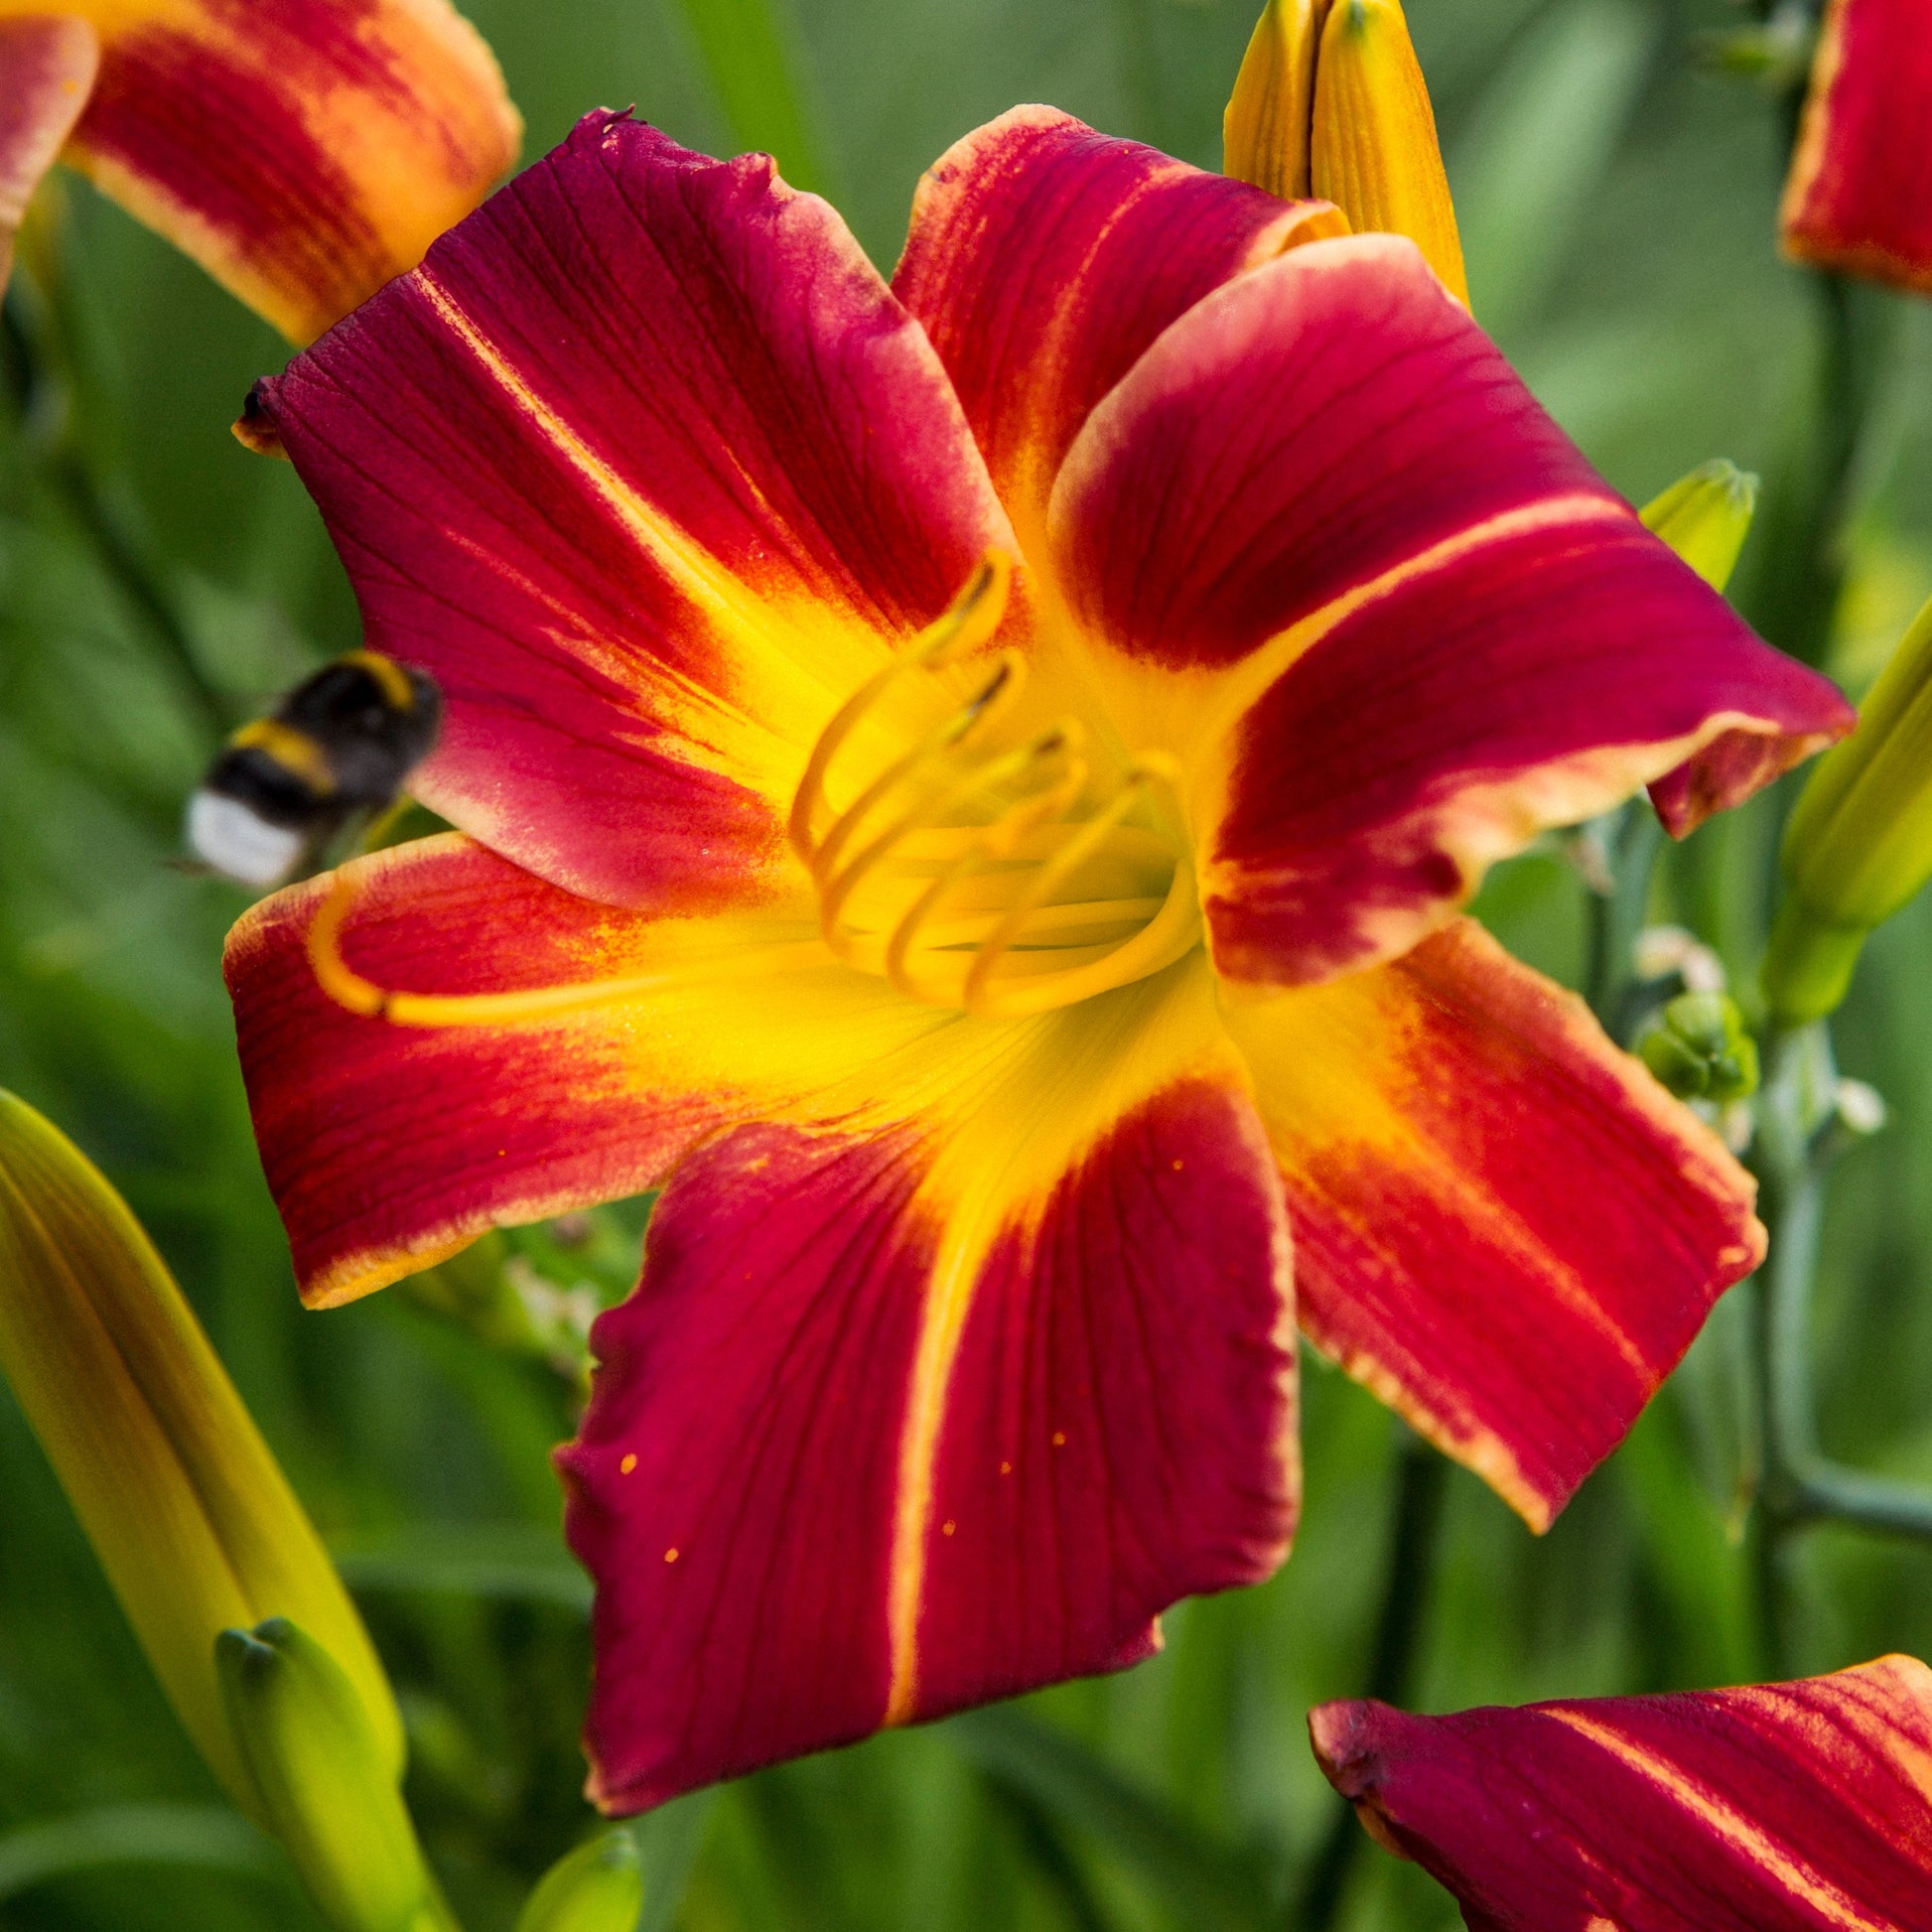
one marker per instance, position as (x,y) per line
(1697,1047)
(1860,843)
(1705,517)
(191,1516)
(598,1887)
(324,1786)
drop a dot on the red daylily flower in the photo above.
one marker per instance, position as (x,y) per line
(1778,1808)
(991,980)
(302,151)
(1858,198)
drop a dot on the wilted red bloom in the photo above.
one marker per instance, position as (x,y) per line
(991,980)
(1859,194)
(302,151)
(1778,1808)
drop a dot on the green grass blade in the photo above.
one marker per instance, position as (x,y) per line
(748,55)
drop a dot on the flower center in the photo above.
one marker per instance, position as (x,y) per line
(974,865)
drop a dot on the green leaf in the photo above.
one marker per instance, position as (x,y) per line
(1213,1882)
(750,60)
(207,1836)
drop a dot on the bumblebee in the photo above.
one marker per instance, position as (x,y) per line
(336,752)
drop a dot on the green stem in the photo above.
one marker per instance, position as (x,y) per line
(1617,917)
(1422,1482)
(1801,1486)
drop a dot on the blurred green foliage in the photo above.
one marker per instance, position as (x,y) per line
(1617,200)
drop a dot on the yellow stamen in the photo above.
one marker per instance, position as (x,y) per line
(970,622)
(989,879)
(347,988)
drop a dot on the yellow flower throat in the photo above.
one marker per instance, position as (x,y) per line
(975,867)
(972,864)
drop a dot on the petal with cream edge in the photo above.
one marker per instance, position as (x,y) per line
(1858,198)
(46,71)
(302,151)
(1503,1225)
(1801,1806)
(648,468)
(1044,257)
(909,1417)
(1322,517)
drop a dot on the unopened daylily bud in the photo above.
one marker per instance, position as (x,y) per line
(1268,130)
(1860,843)
(192,1517)
(1700,1051)
(1374,151)
(325,1786)
(1705,517)
(598,1887)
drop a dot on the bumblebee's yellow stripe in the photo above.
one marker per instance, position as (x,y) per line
(290,748)
(393,679)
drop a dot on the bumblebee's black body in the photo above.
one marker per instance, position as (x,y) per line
(336,749)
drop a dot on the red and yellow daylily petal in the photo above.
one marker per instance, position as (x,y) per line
(46,71)
(1858,198)
(389,1146)
(1800,1807)
(1503,1225)
(303,151)
(1044,257)
(1324,547)
(909,1416)
(648,468)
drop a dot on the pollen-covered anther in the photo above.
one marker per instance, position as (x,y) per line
(978,868)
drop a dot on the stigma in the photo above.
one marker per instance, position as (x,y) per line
(975,861)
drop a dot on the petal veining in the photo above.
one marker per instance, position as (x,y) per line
(1502,1224)
(303,151)
(1801,1806)
(646,466)
(907,1418)
(1323,545)
(1044,257)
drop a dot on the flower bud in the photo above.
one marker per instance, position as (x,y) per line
(191,1516)
(1330,102)
(325,1786)
(598,1887)
(1269,126)
(1705,517)
(1860,843)
(1700,1051)
(1374,151)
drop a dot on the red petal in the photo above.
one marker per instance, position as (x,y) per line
(1043,258)
(1780,1808)
(47,68)
(1859,194)
(303,151)
(387,1148)
(389,1145)
(1534,681)
(1313,426)
(1503,1225)
(646,466)
(902,1421)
